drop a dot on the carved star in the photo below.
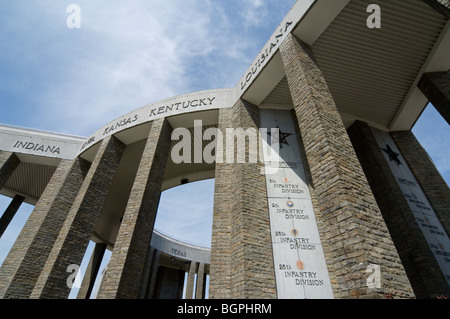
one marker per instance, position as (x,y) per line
(282,138)
(393,156)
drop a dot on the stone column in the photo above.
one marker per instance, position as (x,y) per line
(241,252)
(190,280)
(410,242)
(78,227)
(27,257)
(437,193)
(150,274)
(436,87)
(220,273)
(200,287)
(426,173)
(8,163)
(347,212)
(92,271)
(10,212)
(124,278)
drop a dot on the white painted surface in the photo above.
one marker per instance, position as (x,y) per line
(34,142)
(295,236)
(194,102)
(424,213)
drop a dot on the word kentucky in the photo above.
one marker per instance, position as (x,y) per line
(182,105)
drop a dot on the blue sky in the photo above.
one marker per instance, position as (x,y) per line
(130,53)
(125,55)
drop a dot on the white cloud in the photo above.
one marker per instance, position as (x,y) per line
(186,212)
(128,54)
(254,12)
(127,57)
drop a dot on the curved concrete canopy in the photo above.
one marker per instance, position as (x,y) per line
(179,249)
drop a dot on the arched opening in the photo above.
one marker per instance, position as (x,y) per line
(185,212)
(432,131)
(15,226)
(185,215)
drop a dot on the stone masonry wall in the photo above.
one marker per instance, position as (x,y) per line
(10,212)
(251,246)
(438,194)
(426,173)
(241,253)
(8,163)
(355,230)
(78,227)
(220,273)
(409,240)
(126,271)
(436,87)
(29,253)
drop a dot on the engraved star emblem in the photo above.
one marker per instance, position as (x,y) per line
(393,156)
(282,138)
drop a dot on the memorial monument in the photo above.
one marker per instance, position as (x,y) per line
(321,189)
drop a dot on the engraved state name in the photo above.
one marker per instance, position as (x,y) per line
(44,148)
